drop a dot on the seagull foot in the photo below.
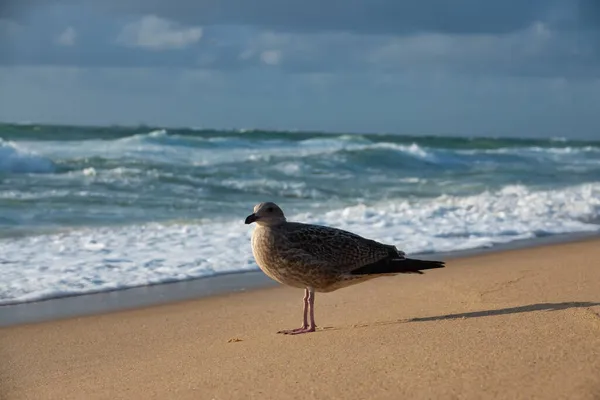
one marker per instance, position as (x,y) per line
(297,331)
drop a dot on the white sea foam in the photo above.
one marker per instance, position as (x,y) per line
(15,159)
(413,150)
(91,171)
(267,187)
(95,259)
(158,133)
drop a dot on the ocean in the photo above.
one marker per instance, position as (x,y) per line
(94,209)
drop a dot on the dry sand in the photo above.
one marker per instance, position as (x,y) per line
(520,324)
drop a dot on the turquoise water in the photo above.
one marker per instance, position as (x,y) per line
(85,209)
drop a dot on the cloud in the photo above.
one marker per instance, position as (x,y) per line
(262,47)
(358,16)
(536,50)
(155,33)
(397,17)
(67,38)
(539,49)
(271,57)
(536,38)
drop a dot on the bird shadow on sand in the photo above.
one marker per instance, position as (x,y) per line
(479,314)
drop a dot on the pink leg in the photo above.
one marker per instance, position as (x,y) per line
(309,303)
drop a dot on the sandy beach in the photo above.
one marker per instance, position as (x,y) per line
(517,324)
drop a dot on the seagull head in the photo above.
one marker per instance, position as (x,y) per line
(266,214)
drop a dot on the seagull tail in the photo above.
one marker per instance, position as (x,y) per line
(398,266)
(409,265)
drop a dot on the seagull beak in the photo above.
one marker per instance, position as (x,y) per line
(250,219)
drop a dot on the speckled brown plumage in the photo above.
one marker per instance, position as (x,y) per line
(321,258)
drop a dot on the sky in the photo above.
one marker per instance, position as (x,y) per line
(437,67)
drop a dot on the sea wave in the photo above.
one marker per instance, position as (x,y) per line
(270,187)
(331,149)
(14,159)
(247,148)
(216,148)
(107,258)
(162,137)
(534,150)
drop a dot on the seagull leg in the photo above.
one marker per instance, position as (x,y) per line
(311,305)
(309,302)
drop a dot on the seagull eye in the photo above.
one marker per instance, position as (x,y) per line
(269,209)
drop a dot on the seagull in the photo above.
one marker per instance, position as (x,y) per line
(321,258)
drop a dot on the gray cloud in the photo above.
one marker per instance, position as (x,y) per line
(360,16)
(154,33)
(534,51)
(549,38)
(373,16)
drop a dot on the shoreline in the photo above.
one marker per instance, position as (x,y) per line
(101,302)
(516,324)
